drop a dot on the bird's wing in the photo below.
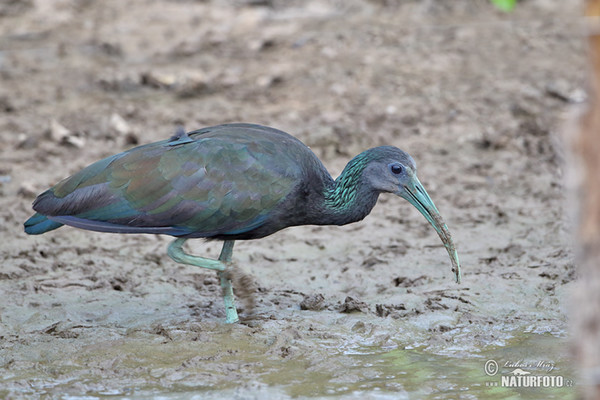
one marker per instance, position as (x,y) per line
(204,186)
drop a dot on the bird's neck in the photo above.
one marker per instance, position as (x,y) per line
(348,199)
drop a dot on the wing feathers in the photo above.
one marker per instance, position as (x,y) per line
(202,184)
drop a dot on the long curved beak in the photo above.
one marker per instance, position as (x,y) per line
(416,194)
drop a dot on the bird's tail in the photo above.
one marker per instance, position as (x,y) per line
(39,224)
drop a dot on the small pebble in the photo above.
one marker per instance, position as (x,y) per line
(119,125)
(57,131)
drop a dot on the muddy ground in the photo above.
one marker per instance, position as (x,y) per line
(478,97)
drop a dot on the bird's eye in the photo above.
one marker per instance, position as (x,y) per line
(396,169)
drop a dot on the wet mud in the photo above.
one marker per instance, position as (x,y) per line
(369,310)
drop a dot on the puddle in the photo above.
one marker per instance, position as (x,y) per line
(247,369)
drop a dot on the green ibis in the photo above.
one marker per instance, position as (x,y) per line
(228,182)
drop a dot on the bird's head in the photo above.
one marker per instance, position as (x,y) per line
(394,171)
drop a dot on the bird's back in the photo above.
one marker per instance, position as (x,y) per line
(226,181)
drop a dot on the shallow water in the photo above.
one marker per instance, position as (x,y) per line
(248,370)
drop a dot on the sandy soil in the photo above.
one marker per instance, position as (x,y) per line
(476,96)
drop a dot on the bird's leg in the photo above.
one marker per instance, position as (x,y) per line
(225,257)
(175,251)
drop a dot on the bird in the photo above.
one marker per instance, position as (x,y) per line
(229,182)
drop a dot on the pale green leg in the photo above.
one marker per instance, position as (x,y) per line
(230,310)
(176,252)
